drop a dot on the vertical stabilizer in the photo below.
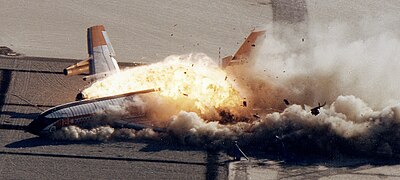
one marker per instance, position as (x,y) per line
(245,51)
(101,62)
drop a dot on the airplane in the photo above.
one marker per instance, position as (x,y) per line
(100,64)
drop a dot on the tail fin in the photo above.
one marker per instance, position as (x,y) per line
(101,60)
(243,54)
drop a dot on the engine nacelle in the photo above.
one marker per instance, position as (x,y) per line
(81,67)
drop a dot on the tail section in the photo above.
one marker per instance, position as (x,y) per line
(101,60)
(242,56)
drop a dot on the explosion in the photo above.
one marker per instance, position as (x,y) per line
(189,83)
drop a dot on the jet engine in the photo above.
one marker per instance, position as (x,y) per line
(81,67)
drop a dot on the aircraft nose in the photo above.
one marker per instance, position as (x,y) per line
(36,126)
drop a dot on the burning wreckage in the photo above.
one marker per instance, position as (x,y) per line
(131,98)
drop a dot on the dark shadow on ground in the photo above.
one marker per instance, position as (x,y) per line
(32,71)
(29,105)
(5,79)
(39,141)
(14,115)
(212,165)
(12,127)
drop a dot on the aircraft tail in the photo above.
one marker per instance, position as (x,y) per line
(100,62)
(245,51)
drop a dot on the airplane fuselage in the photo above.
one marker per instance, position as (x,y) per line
(88,113)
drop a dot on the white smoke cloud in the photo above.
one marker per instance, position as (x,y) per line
(348,124)
(102,133)
(334,59)
(75,133)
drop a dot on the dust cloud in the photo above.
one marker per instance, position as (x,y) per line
(351,69)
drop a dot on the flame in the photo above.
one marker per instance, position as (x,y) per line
(195,82)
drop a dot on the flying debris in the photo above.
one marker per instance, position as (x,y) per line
(244,103)
(315,111)
(256,116)
(286,102)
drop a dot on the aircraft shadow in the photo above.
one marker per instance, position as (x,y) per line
(14,115)
(38,141)
(29,105)
(32,71)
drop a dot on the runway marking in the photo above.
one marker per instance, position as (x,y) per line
(107,158)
